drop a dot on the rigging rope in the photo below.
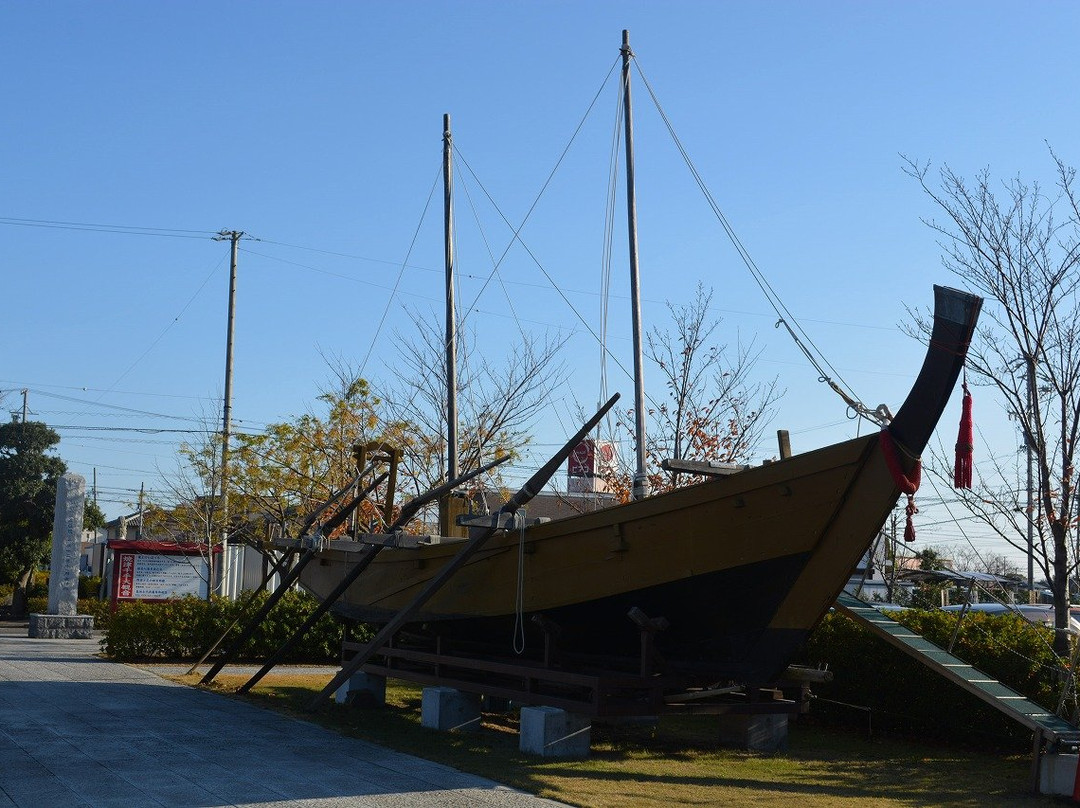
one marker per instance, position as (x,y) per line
(516,231)
(516,237)
(491,257)
(401,272)
(519,596)
(826,372)
(606,258)
(539,265)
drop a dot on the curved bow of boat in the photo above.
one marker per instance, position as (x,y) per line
(955,315)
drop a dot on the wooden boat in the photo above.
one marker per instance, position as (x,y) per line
(727,576)
(741,567)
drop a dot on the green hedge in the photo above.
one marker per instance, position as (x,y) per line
(907,697)
(89,586)
(184,628)
(38,589)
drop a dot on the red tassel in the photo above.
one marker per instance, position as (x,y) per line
(909,528)
(965,445)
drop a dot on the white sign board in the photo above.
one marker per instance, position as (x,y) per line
(149,576)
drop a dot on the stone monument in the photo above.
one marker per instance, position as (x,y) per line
(61,621)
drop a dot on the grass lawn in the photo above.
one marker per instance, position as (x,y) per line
(676,762)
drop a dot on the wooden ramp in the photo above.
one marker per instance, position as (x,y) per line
(1054,730)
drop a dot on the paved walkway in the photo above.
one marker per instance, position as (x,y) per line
(77,731)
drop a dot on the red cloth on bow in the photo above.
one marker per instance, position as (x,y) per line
(907,485)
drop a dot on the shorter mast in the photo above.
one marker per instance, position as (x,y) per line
(452,471)
(641,480)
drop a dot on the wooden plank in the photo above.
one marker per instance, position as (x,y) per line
(707,468)
(994,693)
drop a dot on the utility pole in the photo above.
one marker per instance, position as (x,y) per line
(233,237)
(142,494)
(25,408)
(890,545)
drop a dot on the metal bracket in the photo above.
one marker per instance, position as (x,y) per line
(314,541)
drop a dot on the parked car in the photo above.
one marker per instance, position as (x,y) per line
(1039,613)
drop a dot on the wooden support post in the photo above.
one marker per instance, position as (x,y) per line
(783,438)
(551,630)
(291,574)
(366,557)
(648,626)
(531,488)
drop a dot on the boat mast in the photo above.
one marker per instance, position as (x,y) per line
(641,482)
(451,333)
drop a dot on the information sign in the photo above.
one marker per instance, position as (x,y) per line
(146,576)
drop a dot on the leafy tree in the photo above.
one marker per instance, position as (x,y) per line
(1019,247)
(28,478)
(287,471)
(292,467)
(93,517)
(927,594)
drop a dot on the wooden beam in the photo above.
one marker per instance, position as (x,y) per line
(707,468)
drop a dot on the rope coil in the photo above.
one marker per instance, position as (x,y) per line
(519,594)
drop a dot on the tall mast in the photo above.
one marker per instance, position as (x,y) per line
(641,482)
(451,333)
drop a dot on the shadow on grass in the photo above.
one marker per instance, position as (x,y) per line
(677,761)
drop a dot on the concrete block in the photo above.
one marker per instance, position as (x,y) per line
(363,690)
(755,733)
(449,710)
(551,732)
(61,626)
(1057,774)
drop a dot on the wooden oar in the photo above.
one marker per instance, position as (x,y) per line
(531,488)
(283,587)
(367,556)
(277,567)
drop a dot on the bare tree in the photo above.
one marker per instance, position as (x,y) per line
(715,410)
(497,400)
(968,559)
(195,512)
(1019,247)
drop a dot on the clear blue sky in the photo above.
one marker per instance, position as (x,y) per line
(318,125)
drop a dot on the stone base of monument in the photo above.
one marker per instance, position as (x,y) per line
(62,626)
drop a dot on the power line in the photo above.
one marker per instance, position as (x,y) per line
(130,230)
(35,385)
(148,430)
(114,407)
(91,464)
